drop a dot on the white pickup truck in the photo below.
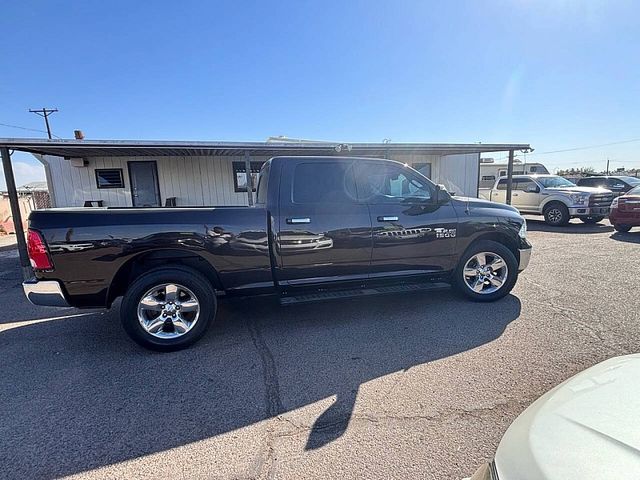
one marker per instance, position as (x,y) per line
(553,196)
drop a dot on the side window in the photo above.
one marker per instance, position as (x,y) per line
(533,169)
(384,183)
(524,185)
(324,182)
(502,185)
(585,182)
(491,178)
(423,168)
(614,184)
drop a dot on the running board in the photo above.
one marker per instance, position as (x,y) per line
(361,292)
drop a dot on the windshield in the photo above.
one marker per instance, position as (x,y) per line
(634,191)
(554,182)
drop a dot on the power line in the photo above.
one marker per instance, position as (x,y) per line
(586,147)
(25,128)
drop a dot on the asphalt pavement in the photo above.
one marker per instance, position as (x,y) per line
(417,385)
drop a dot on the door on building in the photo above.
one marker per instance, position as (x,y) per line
(144,184)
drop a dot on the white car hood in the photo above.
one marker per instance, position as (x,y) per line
(587,427)
(579,189)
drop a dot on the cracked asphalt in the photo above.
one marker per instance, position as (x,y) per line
(409,386)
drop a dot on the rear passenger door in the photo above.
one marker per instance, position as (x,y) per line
(412,234)
(324,232)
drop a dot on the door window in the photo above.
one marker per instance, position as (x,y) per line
(384,183)
(324,182)
(525,185)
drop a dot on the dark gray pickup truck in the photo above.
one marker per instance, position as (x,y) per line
(322,227)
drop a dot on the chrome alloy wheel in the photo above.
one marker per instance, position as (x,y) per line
(485,272)
(168,311)
(554,215)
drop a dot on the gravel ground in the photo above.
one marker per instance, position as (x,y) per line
(410,386)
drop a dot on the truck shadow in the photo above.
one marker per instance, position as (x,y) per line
(78,395)
(575,226)
(630,237)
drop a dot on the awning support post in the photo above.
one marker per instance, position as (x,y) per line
(509,177)
(247,167)
(15,212)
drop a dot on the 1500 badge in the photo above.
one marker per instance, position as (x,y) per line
(445,232)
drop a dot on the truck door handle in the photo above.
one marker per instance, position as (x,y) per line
(387,219)
(295,221)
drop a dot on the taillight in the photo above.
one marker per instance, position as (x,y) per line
(38,253)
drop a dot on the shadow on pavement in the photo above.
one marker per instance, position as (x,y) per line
(630,237)
(535,225)
(77,394)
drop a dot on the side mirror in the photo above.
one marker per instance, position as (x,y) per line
(442,196)
(533,189)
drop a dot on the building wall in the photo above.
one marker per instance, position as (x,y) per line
(208,180)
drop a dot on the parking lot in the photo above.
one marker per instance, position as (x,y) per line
(407,386)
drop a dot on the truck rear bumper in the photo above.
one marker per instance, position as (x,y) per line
(525,256)
(47,293)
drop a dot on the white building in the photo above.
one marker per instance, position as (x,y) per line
(157,173)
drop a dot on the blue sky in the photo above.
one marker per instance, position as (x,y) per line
(553,73)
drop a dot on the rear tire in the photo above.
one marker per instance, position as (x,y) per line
(622,228)
(556,214)
(168,308)
(499,266)
(591,220)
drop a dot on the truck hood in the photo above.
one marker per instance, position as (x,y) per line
(587,427)
(579,190)
(481,203)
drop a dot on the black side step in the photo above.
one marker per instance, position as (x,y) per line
(361,292)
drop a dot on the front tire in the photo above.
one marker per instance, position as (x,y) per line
(556,214)
(622,228)
(487,271)
(168,308)
(591,220)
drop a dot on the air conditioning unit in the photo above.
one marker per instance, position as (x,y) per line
(79,162)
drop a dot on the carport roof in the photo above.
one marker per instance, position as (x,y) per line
(130,148)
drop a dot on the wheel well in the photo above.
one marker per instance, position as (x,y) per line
(503,239)
(144,262)
(551,204)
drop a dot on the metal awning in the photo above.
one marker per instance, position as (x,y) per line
(149,148)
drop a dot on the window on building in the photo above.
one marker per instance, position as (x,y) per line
(240,175)
(487,178)
(109,178)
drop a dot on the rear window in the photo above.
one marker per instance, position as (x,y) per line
(324,182)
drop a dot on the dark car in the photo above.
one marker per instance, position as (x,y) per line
(618,184)
(625,211)
(322,228)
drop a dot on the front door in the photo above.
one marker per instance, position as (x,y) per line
(412,233)
(526,195)
(144,184)
(324,232)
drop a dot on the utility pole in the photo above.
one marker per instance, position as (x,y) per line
(607,166)
(44,113)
